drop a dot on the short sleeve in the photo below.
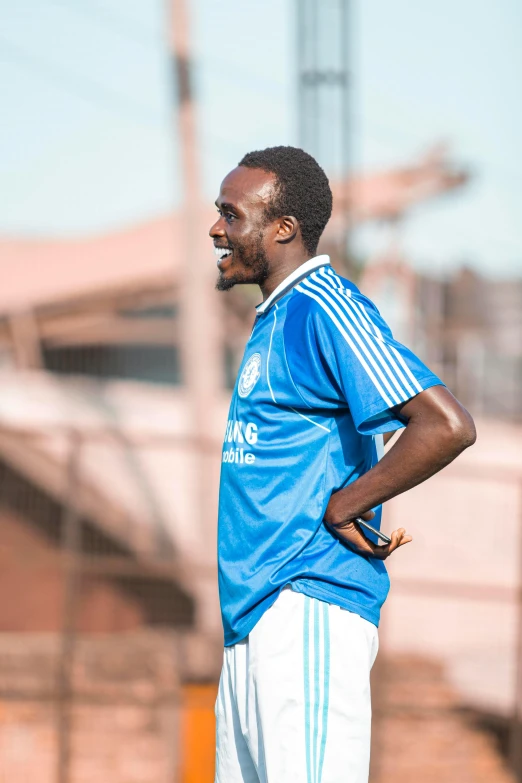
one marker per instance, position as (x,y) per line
(346,354)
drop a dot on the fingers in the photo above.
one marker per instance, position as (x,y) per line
(401,536)
(358,538)
(367,515)
(352,534)
(398,538)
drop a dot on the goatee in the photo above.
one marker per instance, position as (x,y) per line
(255,267)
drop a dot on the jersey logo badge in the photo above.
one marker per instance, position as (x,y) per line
(250,375)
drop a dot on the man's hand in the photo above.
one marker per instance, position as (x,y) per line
(351,533)
(437,429)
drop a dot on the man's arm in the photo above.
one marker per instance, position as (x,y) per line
(438,429)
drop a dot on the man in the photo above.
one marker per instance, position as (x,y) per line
(301,584)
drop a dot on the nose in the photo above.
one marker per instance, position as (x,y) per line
(217,230)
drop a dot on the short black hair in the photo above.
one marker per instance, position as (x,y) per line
(303,190)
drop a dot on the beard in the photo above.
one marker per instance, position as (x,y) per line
(252,259)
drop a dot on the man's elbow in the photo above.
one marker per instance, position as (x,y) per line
(459,430)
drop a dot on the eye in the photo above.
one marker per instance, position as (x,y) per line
(226,214)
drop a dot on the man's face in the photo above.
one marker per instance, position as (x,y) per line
(241,234)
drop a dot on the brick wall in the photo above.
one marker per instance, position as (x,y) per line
(32,587)
(130,723)
(123,720)
(421,732)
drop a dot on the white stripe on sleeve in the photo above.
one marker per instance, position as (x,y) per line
(378,332)
(329,297)
(350,342)
(378,346)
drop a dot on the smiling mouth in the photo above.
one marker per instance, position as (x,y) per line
(222,252)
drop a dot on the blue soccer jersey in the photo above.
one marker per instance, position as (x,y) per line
(317,386)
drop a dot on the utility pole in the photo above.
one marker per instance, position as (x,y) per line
(323,47)
(200,338)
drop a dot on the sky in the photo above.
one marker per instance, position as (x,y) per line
(88,141)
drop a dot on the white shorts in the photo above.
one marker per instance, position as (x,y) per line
(294,697)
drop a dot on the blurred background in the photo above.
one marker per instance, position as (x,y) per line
(117,357)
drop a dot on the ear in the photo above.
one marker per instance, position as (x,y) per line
(287,229)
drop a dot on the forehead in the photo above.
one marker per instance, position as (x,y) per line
(247,187)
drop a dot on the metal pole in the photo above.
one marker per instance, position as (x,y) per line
(323,62)
(346,127)
(308,75)
(200,326)
(71,550)
(314,111)
(301,44)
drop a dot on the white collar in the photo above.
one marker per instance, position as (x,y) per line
(292,280)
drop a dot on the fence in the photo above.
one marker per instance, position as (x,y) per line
(97,678)
(95,612)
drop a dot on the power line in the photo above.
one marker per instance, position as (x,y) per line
(122,25)
(78,85)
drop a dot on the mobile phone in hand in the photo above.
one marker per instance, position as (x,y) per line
(382,536)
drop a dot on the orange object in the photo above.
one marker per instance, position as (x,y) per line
(198,733)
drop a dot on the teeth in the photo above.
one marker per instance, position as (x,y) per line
(221,252)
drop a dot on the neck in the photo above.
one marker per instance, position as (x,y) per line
(280,272)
